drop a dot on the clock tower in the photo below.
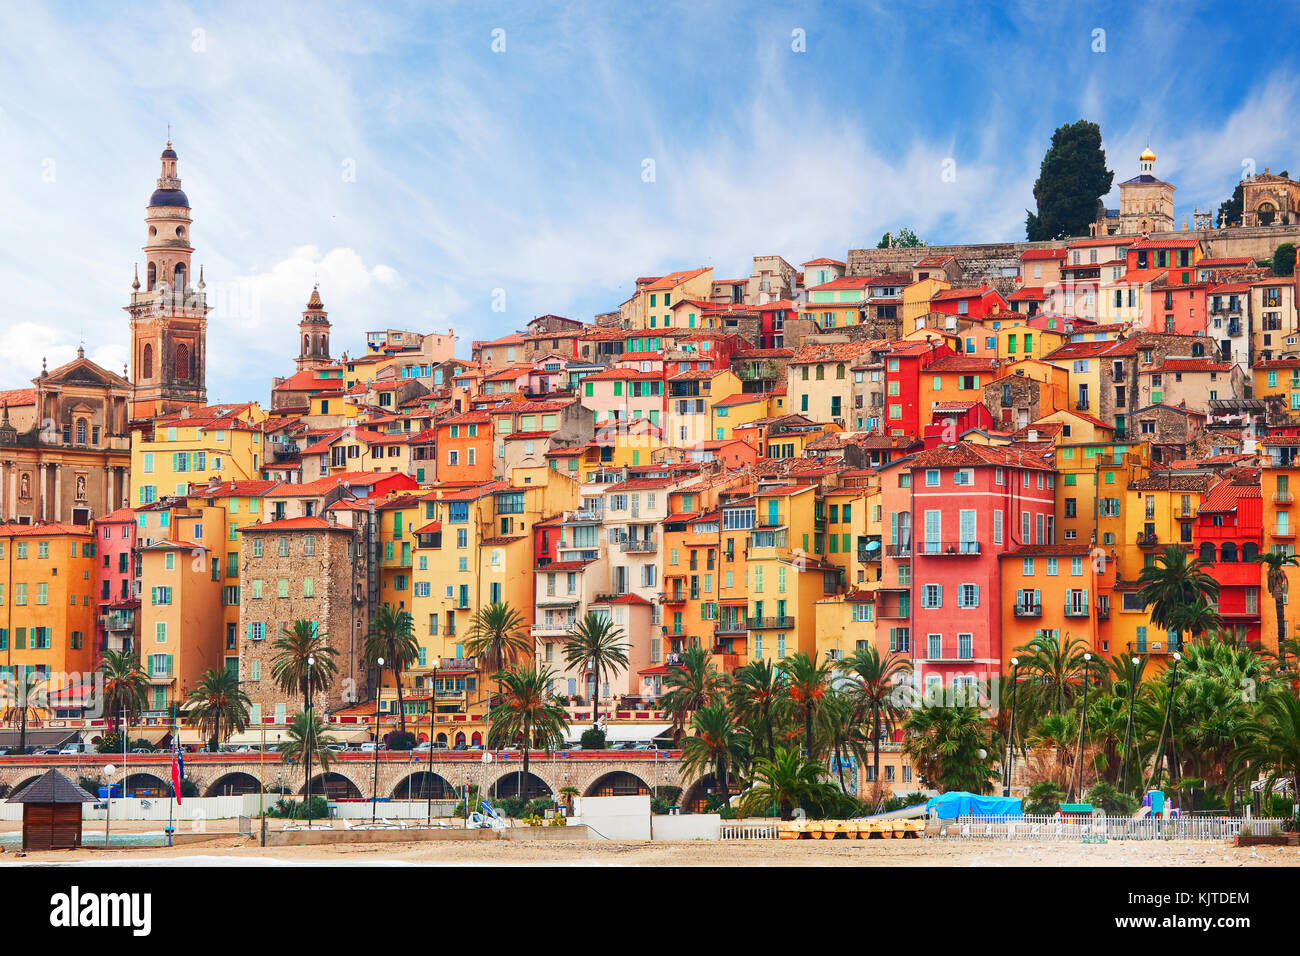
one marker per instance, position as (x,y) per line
(169,314)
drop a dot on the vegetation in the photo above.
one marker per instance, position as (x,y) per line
(1071,181)
(596,647)
(527,714)
(391,638)
(1230,210)
(904,238)
(1284,259)
(308,744)
(217,704)
(125,687)
(303,661)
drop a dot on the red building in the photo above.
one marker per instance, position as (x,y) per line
(976,303)
(114,571)
(1228,533)
(904,364)
(970,503)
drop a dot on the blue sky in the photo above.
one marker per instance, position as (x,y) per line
(522,170)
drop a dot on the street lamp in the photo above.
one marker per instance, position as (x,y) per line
(1166,730)
(1128,731)
(374,793)
(311,737)
(1011,733)
(433,710)
(109,770)
(1083,723)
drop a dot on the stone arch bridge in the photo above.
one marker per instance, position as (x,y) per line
(399,775)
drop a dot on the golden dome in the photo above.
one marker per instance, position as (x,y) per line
(1147,156)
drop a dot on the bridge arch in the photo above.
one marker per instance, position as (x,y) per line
(422,785)
(510,783)
(233,784)
(617,783)
(697,794)
(148,785)
(333,786)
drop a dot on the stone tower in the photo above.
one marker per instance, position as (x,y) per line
(313,334)
(1146,202)
(169,315)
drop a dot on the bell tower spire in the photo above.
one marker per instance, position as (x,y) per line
(313,333)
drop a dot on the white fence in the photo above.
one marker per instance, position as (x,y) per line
(749,831)
(1109,828)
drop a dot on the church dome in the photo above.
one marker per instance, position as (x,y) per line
(169,197)
(1147,156)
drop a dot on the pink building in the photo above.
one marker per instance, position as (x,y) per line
(621,394)
(115,570)
(969,504)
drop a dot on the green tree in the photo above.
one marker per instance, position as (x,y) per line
(298,644)
(1071,181)
(24,704)
(952,748)
(905,238)
(527,712)
(499,635)
(806,683)
(125,687)
(787,781)
(713,745)
(1177,592)
(596,647)
(307,742)
(1054,670)
(755,694)
(1273,750)
(1230,210)
(873,688)
(217,704)
(1276,563)
(1284,259)
(392,637)
(690,685)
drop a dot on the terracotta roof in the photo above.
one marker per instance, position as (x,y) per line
(967,454)
(1188,365)
(1031,254)
(962,363)
(296,524)
(830,352)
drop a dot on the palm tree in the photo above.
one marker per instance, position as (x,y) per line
(1277,562)
(952,748)
(595,647)
(499,635)
(27,698)
(307,742)
(217,701)
(1054,670)
(125,687)
(298,644)
(787,781)
(1273,751)
(806,683)
(756,692)
(873,688)
(1178,592)
(528,712)
(692,684)
(714,744)
(392,637)
(1056,732)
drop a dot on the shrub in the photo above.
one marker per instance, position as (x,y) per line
(510,807)
(899,803)
(593,739)
(727,813)
(1112,800)
(297,809)
(539,805)
(397,740)
(1043,799)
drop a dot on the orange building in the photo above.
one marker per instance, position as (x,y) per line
(464,444)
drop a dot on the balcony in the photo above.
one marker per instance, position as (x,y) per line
(765,623)
(1147,539)
(640,545)
(1283,498)
(730,627)
(901,550)
(1103,612)
(866,556)
(673,597)
(947,549)
(550,630)
(457,664)
(1074,609)
(117,622)
(1029,610)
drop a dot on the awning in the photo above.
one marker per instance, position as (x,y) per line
(154,735)
(39,738)
(620,733)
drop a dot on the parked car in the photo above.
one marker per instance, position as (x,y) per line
(71,750)
(460,746)
(141,750)
(369,747)
(425,746)
(47,752)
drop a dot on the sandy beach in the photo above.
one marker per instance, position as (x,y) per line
(231,849)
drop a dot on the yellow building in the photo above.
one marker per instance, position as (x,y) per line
(916,302)
(172,453)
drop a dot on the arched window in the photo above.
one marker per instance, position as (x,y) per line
(1249,552)
(153,276)
(306,344)
(146,360)
(81,431)
(1207,552)
(1228,553)
(179,277)
(182,361)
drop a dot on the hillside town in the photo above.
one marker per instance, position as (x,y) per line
(942,453)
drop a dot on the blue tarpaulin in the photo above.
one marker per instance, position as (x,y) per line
(959,803)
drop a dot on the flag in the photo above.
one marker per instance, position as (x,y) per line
(178,771)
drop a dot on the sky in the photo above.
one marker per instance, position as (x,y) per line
(473,165)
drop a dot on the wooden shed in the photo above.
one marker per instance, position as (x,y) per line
(52,812)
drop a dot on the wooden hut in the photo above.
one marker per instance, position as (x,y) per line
(52,812)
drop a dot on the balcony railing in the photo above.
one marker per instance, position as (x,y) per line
(672,597)
(902,549)
(1073,609)
(866,556)
(947,548)
(1283,497)
(730,627)
(1147,539)
(640,545)
(1029,610)
(763,623)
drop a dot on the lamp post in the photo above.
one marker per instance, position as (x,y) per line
(1165,728)
(433,710)
(1011,733)
(311,738)
(374,791)
(1128,730)
(109,770)
(1083,723)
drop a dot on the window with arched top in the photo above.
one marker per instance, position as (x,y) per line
(1228,553)
(153,276)
(178,282)
(146,359)
(182,361)
(1207,552)
(306,344)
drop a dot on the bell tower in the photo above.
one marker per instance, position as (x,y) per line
(313,334)
(169,315)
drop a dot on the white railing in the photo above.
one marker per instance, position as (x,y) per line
(1110,828)
(748,831)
